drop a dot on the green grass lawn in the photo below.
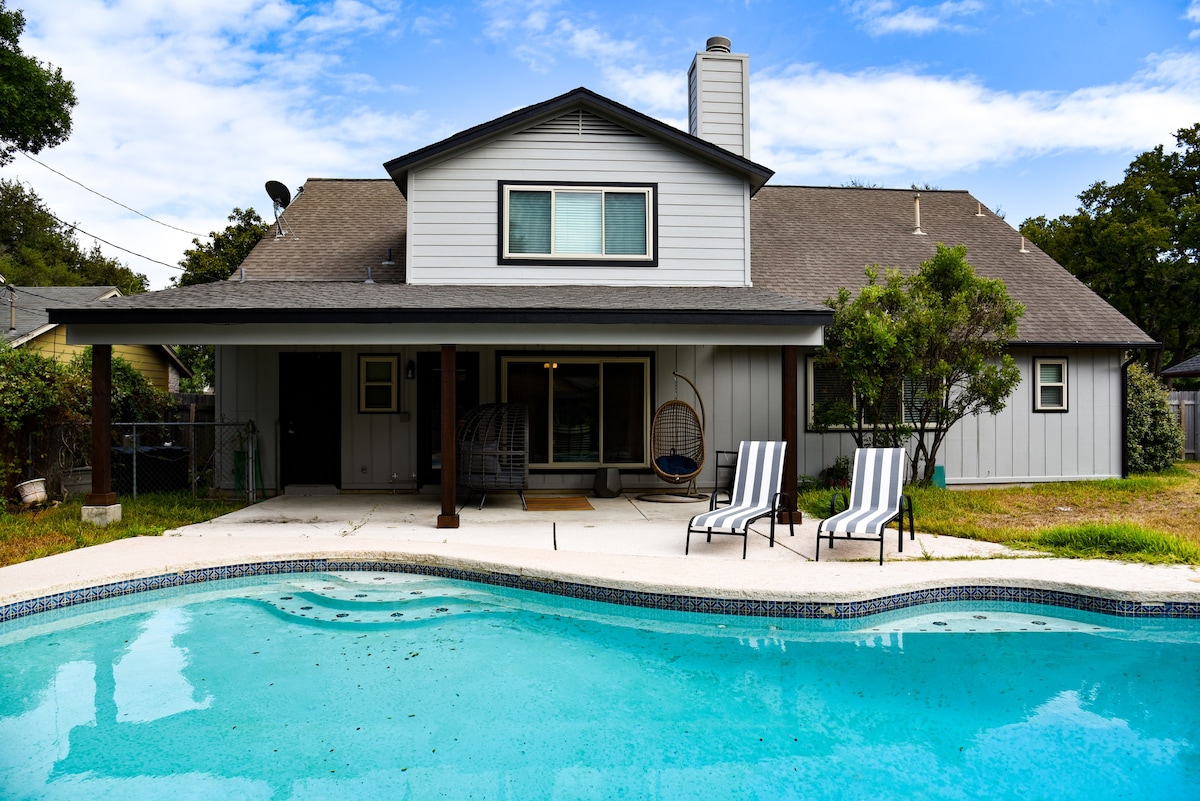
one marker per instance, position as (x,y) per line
(32,534)
(1145,518)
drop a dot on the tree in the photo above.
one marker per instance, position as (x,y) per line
(38,250)
(922,352)
(962,326)
(206,262)
(1136,244)
(35,99)
(870,344)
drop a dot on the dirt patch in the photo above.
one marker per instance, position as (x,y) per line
(1168,504)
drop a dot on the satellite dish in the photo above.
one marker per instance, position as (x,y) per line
(279,194)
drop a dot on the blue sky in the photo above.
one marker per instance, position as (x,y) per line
(186,109)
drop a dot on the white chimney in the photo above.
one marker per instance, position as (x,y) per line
(719,97)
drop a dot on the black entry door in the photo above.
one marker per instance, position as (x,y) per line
(429,408)
(310,418)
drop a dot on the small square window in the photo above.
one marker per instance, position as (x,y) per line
(1050,385)
(378,384)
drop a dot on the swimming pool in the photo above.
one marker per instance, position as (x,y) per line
(371,685)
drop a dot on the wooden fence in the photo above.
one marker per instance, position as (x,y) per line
(1184,404)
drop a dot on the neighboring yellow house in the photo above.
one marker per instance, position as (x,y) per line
(27,324)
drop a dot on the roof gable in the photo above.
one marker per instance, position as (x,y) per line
(598,111)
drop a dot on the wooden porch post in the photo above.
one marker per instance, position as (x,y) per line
(449,518)
(791,433)
(101,505)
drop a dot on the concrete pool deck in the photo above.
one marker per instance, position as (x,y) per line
(621,543)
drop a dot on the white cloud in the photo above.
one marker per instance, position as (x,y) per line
(813,125)
(1193,15)
(882,17)
(185,109)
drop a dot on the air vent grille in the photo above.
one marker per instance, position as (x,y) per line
(578,123)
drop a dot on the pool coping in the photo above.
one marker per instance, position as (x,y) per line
(808,591)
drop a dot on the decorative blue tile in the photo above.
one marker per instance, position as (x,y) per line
(647,600)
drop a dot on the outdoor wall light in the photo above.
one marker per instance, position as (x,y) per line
(550,365)
(410,370)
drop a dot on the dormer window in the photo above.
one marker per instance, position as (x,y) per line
(577,223)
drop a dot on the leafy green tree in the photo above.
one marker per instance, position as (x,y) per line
(206,262)
(963,324)
(38,250)
(1137,244)
(1153,434)
(35,99)
(870,342)
(35,392)
(921,353)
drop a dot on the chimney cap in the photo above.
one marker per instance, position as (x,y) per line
(718,44)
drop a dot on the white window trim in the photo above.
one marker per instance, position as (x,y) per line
(1038,384)
(646,190)
(553,360)
(394,384)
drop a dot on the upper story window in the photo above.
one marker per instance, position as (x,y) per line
(577,223)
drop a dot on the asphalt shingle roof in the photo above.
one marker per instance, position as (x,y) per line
(33,303)
(806,242)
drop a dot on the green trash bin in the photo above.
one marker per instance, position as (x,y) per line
(939,476)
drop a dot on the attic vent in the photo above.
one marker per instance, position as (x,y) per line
(578,123)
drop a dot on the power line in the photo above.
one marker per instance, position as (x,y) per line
(74,227)
(111,200)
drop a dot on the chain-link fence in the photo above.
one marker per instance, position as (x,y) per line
(203,458)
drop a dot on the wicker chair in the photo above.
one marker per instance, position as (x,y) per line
(677,441)
(493,450)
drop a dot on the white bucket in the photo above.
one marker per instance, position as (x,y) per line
(32,491)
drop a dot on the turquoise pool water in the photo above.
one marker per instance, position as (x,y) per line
(369,686)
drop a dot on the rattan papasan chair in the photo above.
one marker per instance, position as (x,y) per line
(677,445)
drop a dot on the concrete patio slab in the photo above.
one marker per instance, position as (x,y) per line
(622,543)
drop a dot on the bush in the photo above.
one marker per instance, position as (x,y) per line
(134,398)
(38,393)
(35,393)
(1154,438)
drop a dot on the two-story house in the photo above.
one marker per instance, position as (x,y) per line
(573,255)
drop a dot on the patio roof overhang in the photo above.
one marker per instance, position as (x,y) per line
(340,313)
(437,334)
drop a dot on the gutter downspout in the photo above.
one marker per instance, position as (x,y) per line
(1125,412)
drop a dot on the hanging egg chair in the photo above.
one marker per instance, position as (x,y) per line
(677,444)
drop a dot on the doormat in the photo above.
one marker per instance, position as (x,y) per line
(576,504)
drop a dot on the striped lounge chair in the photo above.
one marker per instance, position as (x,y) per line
(876,499)
(756,493)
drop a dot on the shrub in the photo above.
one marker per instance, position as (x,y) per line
(1154,438)
(35,392)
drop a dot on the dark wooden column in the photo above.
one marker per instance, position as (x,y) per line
(449,518)
(102,494)
(791,429)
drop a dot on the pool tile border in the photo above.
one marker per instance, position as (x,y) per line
(831,610)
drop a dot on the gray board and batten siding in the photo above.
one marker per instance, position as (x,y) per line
(703,213)
(741,389)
